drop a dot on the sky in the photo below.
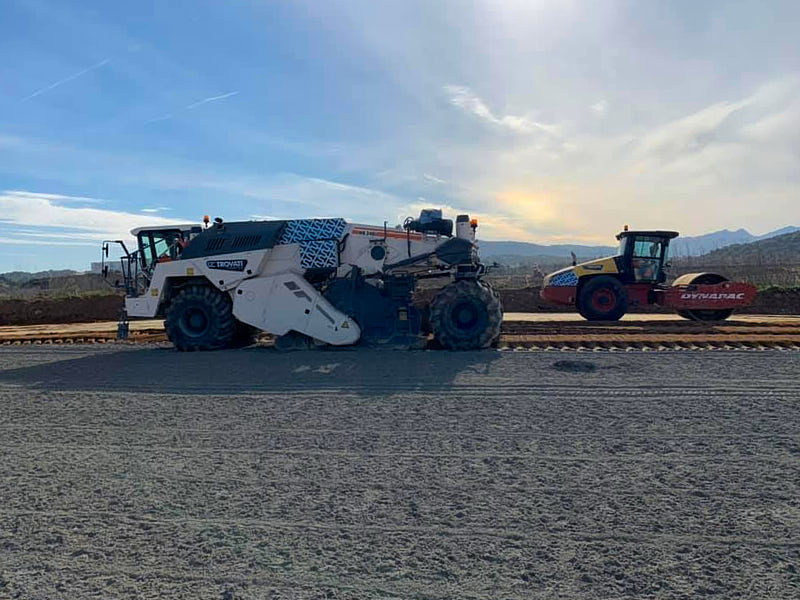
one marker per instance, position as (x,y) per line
(551,121)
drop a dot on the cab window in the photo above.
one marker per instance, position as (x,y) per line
(647,248)
(647,259)
(158,246)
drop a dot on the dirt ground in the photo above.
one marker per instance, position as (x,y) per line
(34,311)
(139,472)
(90,309)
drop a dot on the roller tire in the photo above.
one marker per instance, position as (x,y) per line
(466,315)
(707,314)
(200,318)
(602,299)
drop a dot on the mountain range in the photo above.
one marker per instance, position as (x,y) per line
(779,250)
(682,246)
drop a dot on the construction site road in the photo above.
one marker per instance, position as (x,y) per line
(520,330)
(133,471)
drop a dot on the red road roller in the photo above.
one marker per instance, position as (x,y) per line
(604,289)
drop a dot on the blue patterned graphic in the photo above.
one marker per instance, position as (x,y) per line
(316,254)
(565,279)
(305,230)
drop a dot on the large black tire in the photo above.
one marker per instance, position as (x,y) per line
(200,317)
(466,315)
(602,298)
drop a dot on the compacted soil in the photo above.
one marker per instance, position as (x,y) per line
(139,472)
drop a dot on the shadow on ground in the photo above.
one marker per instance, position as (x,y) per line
(256,369)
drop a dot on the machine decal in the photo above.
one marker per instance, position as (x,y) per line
(319,254)
(296,290)
(388,233)
(304,230)
(227,265)
(605,265)
(711,296)
(326,315)
(565,279)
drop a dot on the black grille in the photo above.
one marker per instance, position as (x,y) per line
(215,244)
(242,242)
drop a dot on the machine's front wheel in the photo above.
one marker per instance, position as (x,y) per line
(200,318)
(466,315)
(602,299)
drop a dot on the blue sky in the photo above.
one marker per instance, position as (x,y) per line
(550,121)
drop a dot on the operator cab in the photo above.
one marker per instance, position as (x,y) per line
(162,244)
(643,255)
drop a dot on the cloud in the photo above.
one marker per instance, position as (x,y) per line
(689,133)
(293,196)
(600,108)
(512,215)
(466,100)
(51,218)
(432,178)
(55,197)
(60,82)
(156,209)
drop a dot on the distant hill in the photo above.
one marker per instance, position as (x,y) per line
(493,250)
(21,284)
(682,246)
(703,244)
(774,250)
(20,277)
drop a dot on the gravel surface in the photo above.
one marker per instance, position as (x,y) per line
(139,472)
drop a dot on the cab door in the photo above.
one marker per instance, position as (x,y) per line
(647,259)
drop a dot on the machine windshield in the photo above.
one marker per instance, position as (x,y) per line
(648,253)
(159,246)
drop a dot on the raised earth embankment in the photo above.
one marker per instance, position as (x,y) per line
(92,308)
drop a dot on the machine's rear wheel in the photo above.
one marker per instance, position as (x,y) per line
(706,314)
(466,315)
(602,299)
(200,318)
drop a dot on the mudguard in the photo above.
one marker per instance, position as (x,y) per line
(728,294)
(286,302)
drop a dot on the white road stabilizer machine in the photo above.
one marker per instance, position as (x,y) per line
(310,282)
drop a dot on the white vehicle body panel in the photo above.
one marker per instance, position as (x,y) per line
(287,302)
